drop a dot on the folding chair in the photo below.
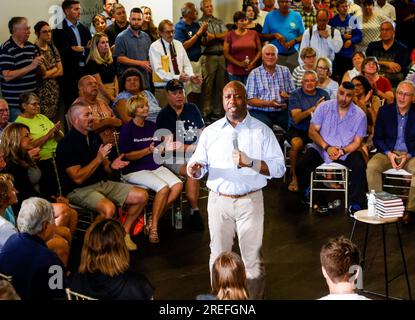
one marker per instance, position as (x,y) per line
(397,182)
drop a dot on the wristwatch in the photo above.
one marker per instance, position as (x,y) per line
(251,164)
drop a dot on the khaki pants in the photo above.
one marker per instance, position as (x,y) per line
(245,216)
(213,71)
(378,164)
(190,86)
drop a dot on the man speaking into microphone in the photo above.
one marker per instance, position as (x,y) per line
(240,153)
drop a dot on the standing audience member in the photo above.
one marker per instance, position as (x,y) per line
(104,120)
(268,88)
(384,8)
(394,139)
(308,13)
(284,29)
(148,24)
(392,55)
(357,59)
(302,104)
(191,34)
(25,256)
(405,22)
(308,58)
(132,47)
(337,129)
(98,23)
(381,86)
(213,62)
(324,71)
(71,38)
(101,66)
(169,61)
(104,272)
(19,64)
(228,279)
(183,123)
(120,23)
(106,14)
(240,153)
(138,143)
(131,85)
(48,87)
(242,49)
(82,159)
(4,115)
(338,256)
(252,15)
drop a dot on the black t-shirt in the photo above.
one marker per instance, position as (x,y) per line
(78,149)
(184,126)
(126,286)
(107,72)
(113,31)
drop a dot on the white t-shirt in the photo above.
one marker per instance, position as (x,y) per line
(344,296)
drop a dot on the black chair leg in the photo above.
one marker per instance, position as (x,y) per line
(385,262)
(404,262)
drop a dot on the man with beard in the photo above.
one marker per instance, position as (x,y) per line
(83,163)
(337,129)
(132,47)
(240,153)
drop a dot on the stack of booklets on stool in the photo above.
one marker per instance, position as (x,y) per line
(389,205)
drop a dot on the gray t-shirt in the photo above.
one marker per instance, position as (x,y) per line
(6,230)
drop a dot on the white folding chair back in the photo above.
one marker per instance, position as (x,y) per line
(397,182)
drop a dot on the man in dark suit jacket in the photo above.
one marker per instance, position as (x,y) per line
(394,139)
(71,39)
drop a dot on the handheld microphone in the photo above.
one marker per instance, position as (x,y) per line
(235,140)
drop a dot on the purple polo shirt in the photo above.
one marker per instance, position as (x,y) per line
(335,131)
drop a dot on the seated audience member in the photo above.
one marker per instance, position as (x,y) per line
(357,60)
(394,139)
(338,256)
(25,256)
(131,85)
(48,90)
(268,88)
(242,49)
(308,58)
(228,279)
(138,144)
(148,24)
(104,272)
(169,61)
(82,159)
(120,23)
(8,212)
(59,243)
(4,115)
(99,22)
(303,102)
(104,120)
(324,70)
(16,144)
(101,66)
(392,55)
(7,291)
(381,86)
(337,129)
(45,135)
(370,105)
(184,124)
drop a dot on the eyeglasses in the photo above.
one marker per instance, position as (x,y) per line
(4,111)
(404,94)
(322,68)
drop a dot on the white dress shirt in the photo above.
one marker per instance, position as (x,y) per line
(215,147)
(183,62)
(324,47)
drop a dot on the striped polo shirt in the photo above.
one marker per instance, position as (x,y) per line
(12,57)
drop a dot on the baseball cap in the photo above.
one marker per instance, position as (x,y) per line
(174,85)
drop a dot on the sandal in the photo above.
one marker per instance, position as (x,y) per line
(293,186)
(153,237)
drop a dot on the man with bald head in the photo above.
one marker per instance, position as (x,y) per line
(82,158)
(240,153)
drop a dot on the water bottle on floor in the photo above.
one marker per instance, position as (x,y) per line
(178,217)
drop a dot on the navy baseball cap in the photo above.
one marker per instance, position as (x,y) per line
(174,85)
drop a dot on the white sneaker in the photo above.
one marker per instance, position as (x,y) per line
(130,244)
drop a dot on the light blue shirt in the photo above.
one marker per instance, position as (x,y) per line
(77,36)
(215,148)
(400,144)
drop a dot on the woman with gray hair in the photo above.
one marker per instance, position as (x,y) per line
(36,271)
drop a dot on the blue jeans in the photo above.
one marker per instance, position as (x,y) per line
(279,118)
(238,78)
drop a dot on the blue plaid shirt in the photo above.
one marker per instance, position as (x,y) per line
(265,86)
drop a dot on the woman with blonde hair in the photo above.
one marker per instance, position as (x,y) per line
(324,71)
(148,24)
(228,278)
(138,143)
(104,272)
(101,66)
(100,23)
